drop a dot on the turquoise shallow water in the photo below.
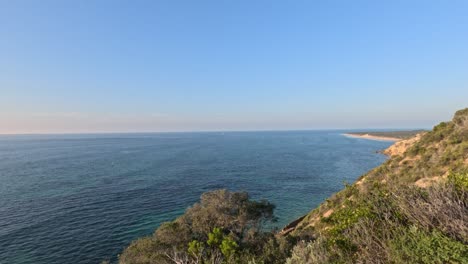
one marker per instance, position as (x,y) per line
(83,198)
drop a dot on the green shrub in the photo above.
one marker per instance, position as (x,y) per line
(459,180)
(196,248)
(228,247)
(215,237)
(345,217)
(460,116)
(416,246)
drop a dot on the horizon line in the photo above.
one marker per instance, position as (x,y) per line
(213,131)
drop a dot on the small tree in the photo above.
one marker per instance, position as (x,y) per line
(214,230)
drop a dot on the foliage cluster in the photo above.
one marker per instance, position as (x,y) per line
(224,227)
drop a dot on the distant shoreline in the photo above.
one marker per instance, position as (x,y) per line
(371,137)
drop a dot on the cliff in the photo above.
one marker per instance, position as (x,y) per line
(419,193)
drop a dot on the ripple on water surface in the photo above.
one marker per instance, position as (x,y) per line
(83,198)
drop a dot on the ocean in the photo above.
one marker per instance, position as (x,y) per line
(84,198)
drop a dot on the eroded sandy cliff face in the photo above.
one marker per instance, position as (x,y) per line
(400,147)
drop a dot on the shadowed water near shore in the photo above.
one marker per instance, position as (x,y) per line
(83,198)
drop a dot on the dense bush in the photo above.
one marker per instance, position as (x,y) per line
(224,227)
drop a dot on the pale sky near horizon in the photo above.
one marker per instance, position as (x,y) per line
(148,66)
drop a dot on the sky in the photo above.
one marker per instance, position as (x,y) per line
(147,66)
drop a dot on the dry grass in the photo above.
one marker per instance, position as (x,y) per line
(440,207)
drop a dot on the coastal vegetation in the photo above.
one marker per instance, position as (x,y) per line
(411,209)
(224,227)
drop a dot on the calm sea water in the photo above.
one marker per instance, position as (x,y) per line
(83,198)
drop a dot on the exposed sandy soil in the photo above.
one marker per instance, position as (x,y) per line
(426,182)
(429,181)
(401,146)
(328,213)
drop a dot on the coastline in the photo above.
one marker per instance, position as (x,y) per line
(289,228)
(371,137)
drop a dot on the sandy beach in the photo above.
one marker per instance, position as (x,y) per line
(371,137)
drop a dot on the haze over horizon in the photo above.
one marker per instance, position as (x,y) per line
(158,66)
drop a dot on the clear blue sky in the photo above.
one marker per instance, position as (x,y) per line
(129,66)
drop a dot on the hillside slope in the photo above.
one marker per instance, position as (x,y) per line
(411,209)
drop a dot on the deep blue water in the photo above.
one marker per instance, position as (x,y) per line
(83,198)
